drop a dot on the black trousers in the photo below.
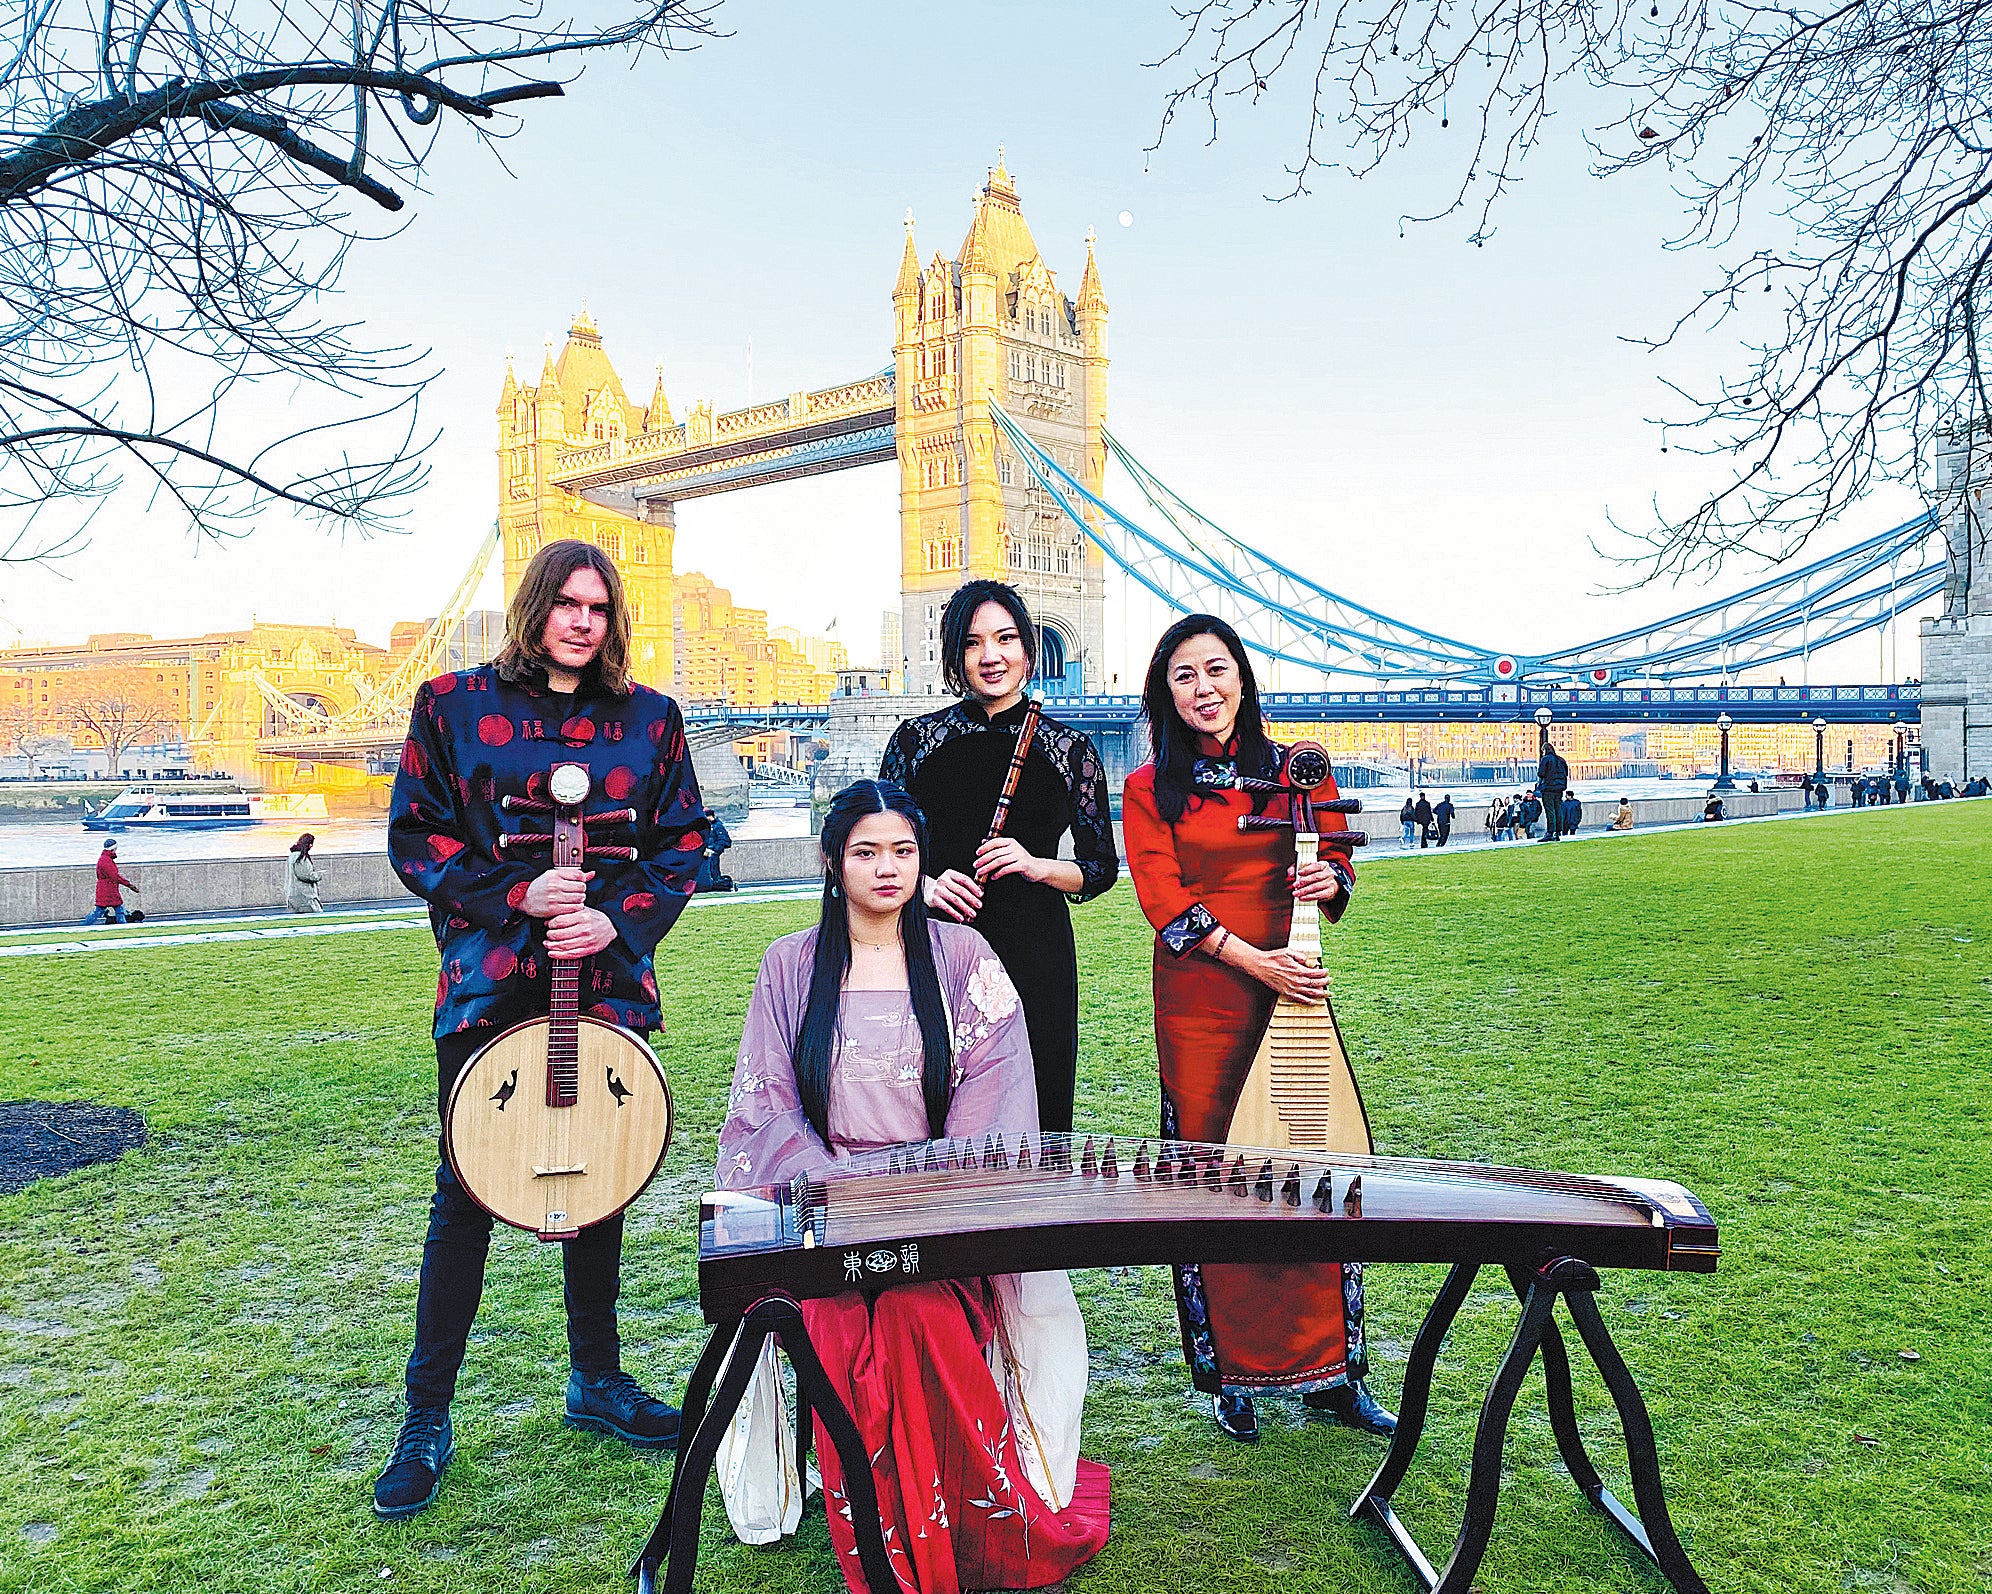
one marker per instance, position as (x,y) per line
(453,1269)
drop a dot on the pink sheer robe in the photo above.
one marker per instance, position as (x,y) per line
(967,1393)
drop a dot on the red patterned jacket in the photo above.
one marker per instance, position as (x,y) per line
(475,737)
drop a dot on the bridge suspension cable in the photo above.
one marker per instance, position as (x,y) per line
(386,707)
(1192,564)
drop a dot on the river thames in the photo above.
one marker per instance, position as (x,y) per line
(31,844)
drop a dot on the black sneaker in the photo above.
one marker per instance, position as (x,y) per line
(413,1476)
(616,1404)
(1237,1418)
(1353,1406)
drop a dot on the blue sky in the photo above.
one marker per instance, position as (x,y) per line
(1435,429)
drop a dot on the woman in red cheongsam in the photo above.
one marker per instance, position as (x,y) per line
(1221,902)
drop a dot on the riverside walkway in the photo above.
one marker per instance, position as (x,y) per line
(248,927)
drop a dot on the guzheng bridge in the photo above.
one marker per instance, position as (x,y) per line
(993,406)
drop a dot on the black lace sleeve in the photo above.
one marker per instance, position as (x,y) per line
(1092,821)
(896,768)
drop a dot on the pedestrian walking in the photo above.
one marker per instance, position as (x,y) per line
(110,908)
(301,891)
(1421,812)
(1491,823)
(1407,816)
(1442,816)
(1573,813)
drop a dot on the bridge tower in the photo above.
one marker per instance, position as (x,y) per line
(580,401)
(992,324)
(1957,647)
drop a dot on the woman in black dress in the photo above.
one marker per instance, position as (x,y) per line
(1013,889)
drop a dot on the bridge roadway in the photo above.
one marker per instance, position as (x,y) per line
(1677,705)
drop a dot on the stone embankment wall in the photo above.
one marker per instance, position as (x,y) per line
(62,894)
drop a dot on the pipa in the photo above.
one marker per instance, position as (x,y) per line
(1301,1094)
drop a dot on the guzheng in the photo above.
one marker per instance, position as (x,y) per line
(1018,1203)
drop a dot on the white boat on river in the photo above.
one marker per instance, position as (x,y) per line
(154,808)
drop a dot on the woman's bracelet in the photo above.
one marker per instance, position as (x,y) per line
(1217,952)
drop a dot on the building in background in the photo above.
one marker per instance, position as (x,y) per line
(687,636)
(166,694)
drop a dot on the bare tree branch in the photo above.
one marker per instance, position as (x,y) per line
(1836,157)
(181,182)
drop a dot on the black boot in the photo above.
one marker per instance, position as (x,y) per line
(1353,1406)
(1236,1417)
(616,1404)
(414,1473)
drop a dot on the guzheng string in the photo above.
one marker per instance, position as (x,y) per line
(867,1188)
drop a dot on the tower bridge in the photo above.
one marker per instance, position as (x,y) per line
(994,410)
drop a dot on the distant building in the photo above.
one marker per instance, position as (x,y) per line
(214,690)
(891,645)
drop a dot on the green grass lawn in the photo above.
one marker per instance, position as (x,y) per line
(201,1345)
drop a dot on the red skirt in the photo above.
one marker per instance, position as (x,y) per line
(1259,1328)
(957,1509)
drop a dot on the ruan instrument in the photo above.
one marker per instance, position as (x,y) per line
(1300,1092)
(559,1123)
(965,1208)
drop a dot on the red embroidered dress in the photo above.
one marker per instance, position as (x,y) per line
(1247,1330)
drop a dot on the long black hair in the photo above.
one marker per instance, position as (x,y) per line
(816,1041)
(1174,742)
(960,615)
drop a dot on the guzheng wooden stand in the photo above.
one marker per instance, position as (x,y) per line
(1573,1282)
(673,1545)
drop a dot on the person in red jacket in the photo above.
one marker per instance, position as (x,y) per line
(110,901)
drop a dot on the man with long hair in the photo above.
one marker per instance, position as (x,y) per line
(560,692)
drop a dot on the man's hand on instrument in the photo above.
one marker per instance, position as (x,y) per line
(1003,856)
(1292,976)
(580,934)
(953,894)
(558,891)
(1317,882)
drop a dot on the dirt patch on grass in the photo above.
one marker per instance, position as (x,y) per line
(44,1139)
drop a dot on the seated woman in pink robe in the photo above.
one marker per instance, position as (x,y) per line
(877,1027)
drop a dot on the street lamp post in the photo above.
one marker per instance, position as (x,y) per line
(1722,780)
(1542,718)
(1819,747)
